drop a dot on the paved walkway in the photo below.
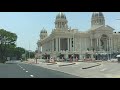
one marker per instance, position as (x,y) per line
(74,68)
(104,69)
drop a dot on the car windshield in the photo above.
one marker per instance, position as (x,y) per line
(59,45)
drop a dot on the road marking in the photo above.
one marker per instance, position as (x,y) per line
(26,71)
(103,69)
(31,75)
(19,66)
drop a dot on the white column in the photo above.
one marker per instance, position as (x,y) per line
(112,44)
(53,45)
(59,44)
(108,49)
(68,44)
(91,42)
(85,44)
(50,46)
(80,44)
(56,44)
(109,43)
(97,42)
(74,44)
(45,47)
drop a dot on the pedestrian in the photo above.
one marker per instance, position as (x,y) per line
(76,59)
(36,60)
(51,59)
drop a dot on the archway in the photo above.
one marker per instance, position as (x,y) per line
(103,42)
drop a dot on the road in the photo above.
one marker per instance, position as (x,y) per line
(20,70)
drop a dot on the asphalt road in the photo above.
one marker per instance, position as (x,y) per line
(19,70)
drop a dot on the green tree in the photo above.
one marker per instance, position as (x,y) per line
(7,41)
(18,51)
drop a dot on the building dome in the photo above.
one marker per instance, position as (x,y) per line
(97,19)
(97,14)
(43,31)
(61,16)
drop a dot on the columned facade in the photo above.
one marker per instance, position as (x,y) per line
(100,38)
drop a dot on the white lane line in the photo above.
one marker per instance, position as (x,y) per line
(25,71)
(103,69)
(31,75)
(19,66)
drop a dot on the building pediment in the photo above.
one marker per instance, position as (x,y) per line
(106,27)
(102,30)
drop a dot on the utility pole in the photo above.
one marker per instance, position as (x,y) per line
(25,56)
(29,50)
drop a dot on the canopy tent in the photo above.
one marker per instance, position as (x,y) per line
(118,56)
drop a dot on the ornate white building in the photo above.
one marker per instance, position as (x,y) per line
(100,38)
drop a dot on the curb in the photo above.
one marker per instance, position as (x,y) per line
(51,63)
(91,66)
(67,64)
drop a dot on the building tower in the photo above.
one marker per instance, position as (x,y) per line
(97,19)
(61,21)
(43,34)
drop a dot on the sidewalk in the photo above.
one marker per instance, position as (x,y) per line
(104,69)
(73,68)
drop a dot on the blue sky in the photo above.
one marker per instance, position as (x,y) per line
(27,25)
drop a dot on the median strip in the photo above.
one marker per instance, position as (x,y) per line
(51,63)
(67,64)
(91,66)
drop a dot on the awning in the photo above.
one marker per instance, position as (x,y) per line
(118,56)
